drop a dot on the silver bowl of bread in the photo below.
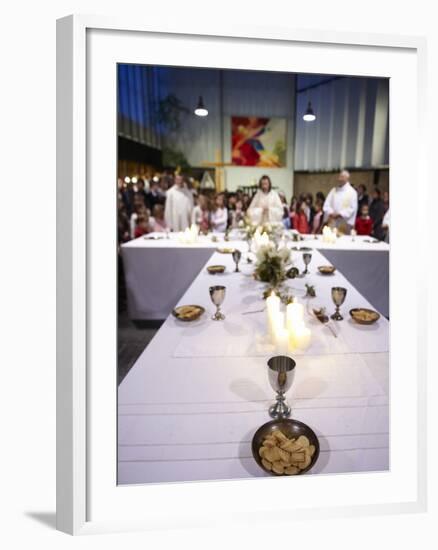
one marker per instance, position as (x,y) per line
(188,313)
(285,447)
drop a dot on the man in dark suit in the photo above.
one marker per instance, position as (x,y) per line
(362,196)
(154,195)
(141,190)
(377,211)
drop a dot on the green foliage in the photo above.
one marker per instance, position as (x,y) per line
(271,271)
(170,110)
(285,297)
(175,158)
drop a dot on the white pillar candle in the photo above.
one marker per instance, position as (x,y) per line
(277,321)
(272,305)
(294,312)
(272,309)
(277,324)
(281,340)
(291,342)
(301,337)
(273,302)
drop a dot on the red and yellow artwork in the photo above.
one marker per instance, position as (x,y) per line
(258,141)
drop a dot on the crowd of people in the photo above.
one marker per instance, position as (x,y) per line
(172,203)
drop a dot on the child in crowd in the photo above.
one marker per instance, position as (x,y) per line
(300,222)
(123,234)
(157,222)
(237,215)
(219,216)
(286,218)
(139,210)
(142,225)
(292,210)
(201,214)
(364,224)
(318,217)
(310,210)
(246,199)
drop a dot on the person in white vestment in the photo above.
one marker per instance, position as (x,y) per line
(179,206)
(340,206)
(266,206)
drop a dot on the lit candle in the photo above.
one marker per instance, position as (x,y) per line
(276,325)
(301,336)
(294,313)
(273,303)
(291,342)
(272,309)
(329,235)
(281,340)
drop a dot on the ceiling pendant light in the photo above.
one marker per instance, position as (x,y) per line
(200,109)
(309,115)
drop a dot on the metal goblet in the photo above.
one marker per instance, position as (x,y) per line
(338,297)
(236,257)
(217,295)
(281,375)
(248,257)
(307,257)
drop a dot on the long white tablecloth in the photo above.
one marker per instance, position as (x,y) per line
(364,262)
(186,416)
(158,272)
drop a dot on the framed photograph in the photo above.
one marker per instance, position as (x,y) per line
(236,336)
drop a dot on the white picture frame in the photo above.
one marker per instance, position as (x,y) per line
(87,501)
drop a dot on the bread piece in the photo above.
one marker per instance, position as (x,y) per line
(298,457)
(273,454)
(284,456)
(303,441)
(288,445)
(279,436)
(278,468)
(305,464)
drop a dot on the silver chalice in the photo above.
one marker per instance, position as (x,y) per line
(217,295)
(248,257)
(338,297)
(281,374)
(236,258)
(307,257)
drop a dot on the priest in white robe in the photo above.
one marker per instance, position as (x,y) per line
(340,206)
(266,206)
(179,206)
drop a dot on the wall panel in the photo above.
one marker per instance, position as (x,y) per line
(351,128)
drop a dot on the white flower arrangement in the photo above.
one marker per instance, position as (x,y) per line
(271,263)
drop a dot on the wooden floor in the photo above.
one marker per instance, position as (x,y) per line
(132,340)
